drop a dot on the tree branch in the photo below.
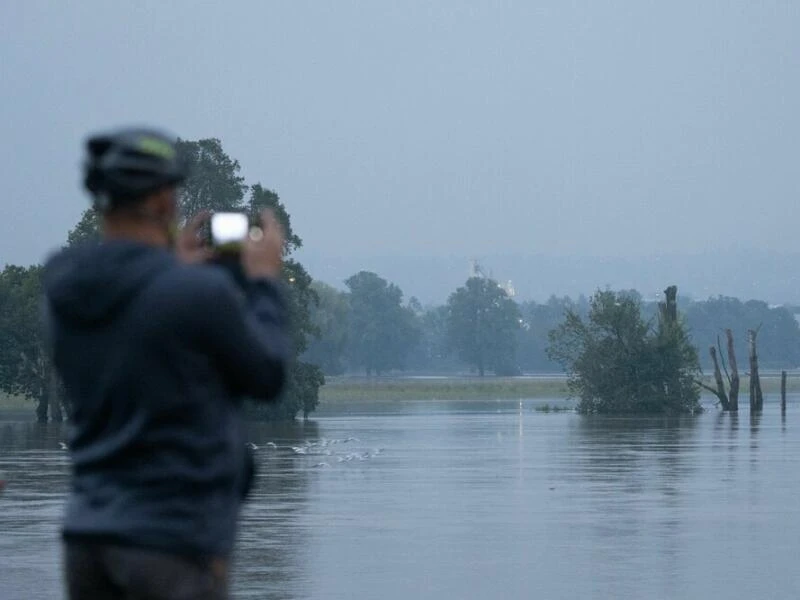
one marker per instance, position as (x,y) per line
(706,387)
(722,358)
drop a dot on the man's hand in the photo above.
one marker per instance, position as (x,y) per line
(189,247)
(262,251)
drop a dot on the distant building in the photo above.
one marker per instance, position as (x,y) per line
(476,270)
(509,288)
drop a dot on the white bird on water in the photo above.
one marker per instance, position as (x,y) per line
(63,446)
(251,445)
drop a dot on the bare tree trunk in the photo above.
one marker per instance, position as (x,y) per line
(66,404)
(55,398)
(734,377)
(42,405)
(669,308)
(756,398)
(723,398)
(783,392)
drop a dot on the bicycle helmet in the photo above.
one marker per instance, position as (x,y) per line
(125,165)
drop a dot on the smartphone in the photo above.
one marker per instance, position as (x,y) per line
(227,230)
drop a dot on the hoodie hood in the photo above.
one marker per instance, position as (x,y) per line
(92,283)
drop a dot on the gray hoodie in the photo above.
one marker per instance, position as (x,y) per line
(156,357)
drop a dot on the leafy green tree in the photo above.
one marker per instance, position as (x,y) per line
(87,229)
(330,317)
(25,366)
(482,326)
(262,198)
(382,331)
(619,363)
(214,182)
(433,354)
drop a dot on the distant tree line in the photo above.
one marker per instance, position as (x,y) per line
(369,328)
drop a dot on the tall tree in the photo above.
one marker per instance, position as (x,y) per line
(305,379)
(330,317)
(86,230)
(433,354)
(382,330)
(25,366)
(482,325)
(214,184)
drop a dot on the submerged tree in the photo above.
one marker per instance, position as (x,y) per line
(619,363)
(729,401)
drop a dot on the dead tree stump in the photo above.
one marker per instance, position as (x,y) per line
(756,397)
(723,398)
(734,376)
(783,392)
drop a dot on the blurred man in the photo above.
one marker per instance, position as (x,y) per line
(156,351)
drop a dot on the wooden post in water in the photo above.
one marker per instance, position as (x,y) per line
(783,392)
(756,398)
(733,402)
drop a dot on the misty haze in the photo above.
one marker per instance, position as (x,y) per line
(540,270)
(582,132)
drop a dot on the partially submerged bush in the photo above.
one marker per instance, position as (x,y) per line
(618,363)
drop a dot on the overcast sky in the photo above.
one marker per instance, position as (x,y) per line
(428,128)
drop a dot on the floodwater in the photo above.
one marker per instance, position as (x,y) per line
(476,500)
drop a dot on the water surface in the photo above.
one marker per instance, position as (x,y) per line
(476,500)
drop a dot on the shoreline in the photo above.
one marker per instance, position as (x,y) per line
(544,387)
(377,389)
(344,389)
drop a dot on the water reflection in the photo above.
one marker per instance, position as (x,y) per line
(489,499)
(631,476)
(30,508)
(273,545)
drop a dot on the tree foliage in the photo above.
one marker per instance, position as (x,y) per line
(778,337)
(382,331)
(619,363)
(214,184)
(25,365)
(482,324)
(86,230)
(433,353)
(331,318)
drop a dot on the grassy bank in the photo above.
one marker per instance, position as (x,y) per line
(339,389)
(15,403)
(379,389)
